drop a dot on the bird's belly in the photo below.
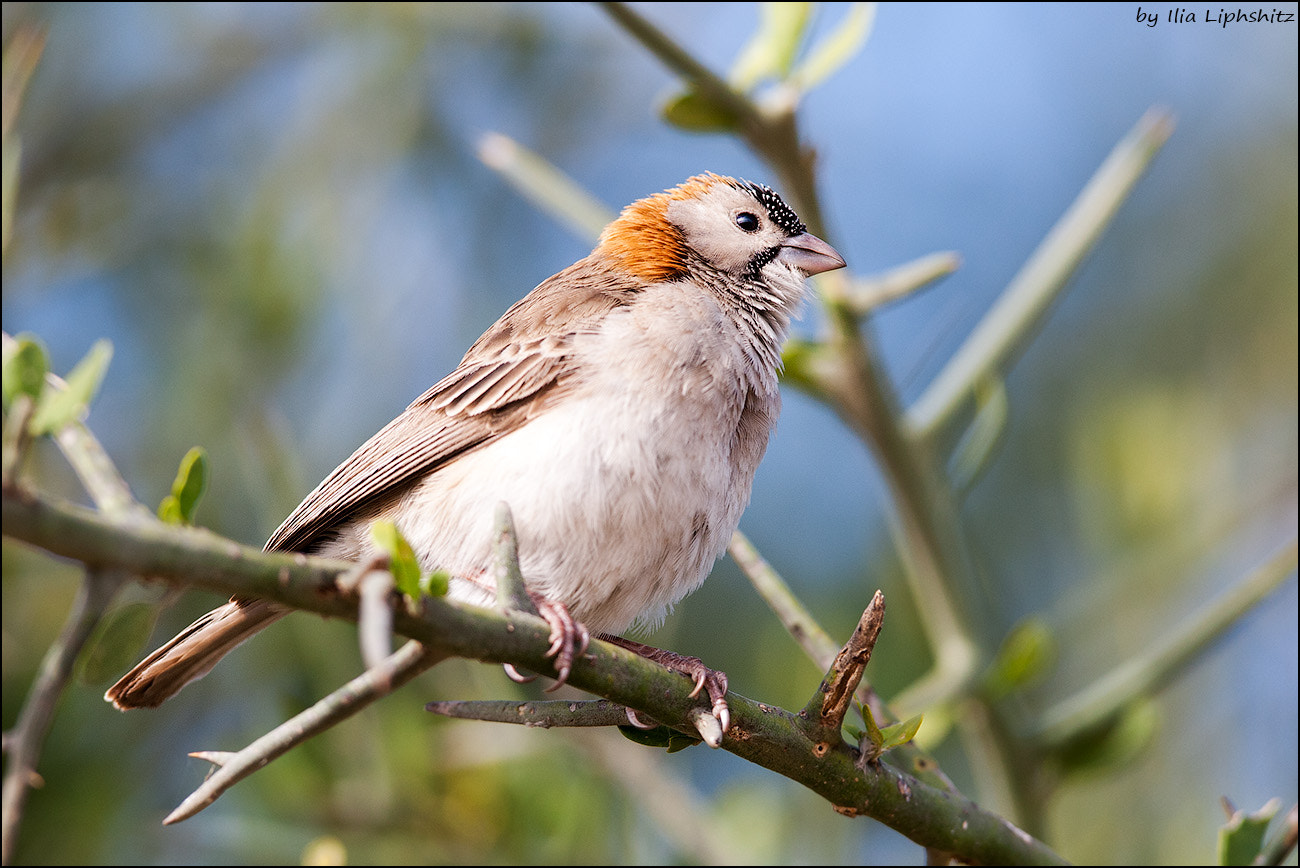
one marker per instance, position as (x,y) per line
(620,513)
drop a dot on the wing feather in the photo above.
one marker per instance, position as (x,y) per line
(515,371)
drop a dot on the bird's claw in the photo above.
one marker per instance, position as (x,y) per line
(636,721)
(515,675)
(706,680)
(715,684)
(569,638)
(711,681)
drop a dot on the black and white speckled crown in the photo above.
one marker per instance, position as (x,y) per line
(782,214)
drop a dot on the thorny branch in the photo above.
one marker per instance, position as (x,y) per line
(764,734)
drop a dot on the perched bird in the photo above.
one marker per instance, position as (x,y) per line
(620,409)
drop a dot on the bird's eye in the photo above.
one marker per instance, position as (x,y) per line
(747,221)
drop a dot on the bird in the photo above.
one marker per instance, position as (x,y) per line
(620,409)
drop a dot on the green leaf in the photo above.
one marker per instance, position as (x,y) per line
(436,583)
(900,733)
(771,51)
(1115,744)
(837,49)
(696,113)
(874,742)
(939,722)
(117,642)
(60,407)
(169,510)
(660,736)
(1242,838)
(802,363)
(191,479)
(873,731)
(401,559)
(679,741)
(545,185)
(1027,654)
(25,365)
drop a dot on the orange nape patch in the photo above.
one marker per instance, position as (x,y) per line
(643,241)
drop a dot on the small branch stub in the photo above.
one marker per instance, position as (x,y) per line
(835,694)
(511,591)
(851,663)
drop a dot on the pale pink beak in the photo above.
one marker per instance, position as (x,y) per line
(810,254)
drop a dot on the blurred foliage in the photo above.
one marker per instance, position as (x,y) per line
(266,207)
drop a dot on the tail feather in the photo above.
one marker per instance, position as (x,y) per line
(193,652)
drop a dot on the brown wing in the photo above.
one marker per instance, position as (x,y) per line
(517,369)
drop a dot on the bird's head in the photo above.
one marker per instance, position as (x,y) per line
(719,224)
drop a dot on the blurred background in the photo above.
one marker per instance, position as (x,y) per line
(277,216)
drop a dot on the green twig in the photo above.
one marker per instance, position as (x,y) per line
(798,621)
(678,59)
(772,132)
(98,588)
(544,713)
(376,682)
(869,293)
(1014,318)
(1107,697)
(23,744)
(545,186)
(822,650)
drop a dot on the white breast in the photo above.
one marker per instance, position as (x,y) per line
(626,491)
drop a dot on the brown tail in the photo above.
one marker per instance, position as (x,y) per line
(193,652)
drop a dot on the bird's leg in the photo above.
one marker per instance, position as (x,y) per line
(569,637)
(709,680)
